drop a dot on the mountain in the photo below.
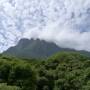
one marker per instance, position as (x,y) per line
(36,49)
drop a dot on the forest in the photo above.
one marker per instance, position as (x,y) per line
(62,71)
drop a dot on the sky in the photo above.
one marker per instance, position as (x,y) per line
(64,22)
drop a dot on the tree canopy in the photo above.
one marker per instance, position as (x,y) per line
(62,71)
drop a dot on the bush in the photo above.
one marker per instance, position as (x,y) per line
(4,86)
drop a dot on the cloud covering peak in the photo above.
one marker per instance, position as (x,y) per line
(64,22)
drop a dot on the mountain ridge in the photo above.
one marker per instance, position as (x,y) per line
(37,49)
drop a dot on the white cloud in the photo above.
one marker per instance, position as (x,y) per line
(63,36)
(64,22)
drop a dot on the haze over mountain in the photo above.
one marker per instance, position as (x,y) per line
(37,49)
(64,22)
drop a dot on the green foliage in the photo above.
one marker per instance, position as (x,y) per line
(17,72)
(4,86)
(63,71)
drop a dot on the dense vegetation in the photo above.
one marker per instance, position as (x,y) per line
(16,74)
(63,71)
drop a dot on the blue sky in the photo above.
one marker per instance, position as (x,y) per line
(64,22)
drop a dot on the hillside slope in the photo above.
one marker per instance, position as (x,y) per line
(37,49)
